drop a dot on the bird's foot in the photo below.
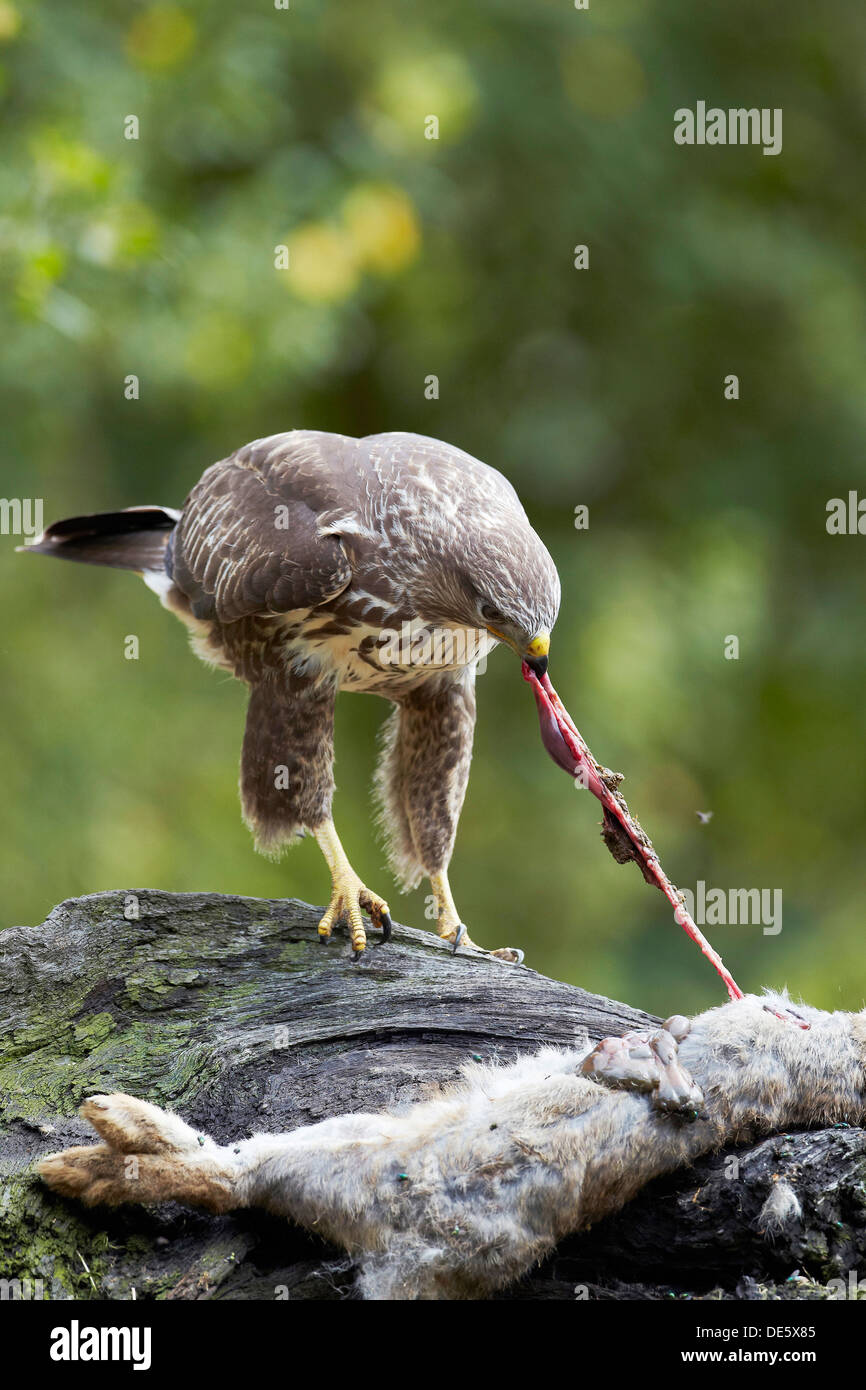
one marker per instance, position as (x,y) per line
(647,1061)
(349,899)
(349,896)
(511,954)
(453,930)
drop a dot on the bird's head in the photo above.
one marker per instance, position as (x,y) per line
(517,595)
(475,562)
(509,590)
(531,646)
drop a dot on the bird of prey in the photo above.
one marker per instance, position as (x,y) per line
(306,563)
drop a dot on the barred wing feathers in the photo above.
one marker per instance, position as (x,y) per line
(251,538)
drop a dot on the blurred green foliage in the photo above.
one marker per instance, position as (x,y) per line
(409,257)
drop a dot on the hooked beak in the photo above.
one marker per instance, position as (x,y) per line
(536,653)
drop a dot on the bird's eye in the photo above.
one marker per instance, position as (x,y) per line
(491,614)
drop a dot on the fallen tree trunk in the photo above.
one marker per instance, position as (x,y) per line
(232,1012)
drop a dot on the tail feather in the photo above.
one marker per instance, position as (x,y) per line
(133,539)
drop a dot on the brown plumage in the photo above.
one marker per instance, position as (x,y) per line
(308,562)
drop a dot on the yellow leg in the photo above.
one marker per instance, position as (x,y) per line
(348,894)
(449,926)
(452,929)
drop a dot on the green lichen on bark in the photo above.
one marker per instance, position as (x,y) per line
(45,1240)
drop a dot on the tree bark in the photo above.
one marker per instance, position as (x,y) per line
(231,1011)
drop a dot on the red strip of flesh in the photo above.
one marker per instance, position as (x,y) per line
(561,738)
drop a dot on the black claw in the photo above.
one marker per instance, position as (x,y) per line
(357,955)
(461,932)
(387,926)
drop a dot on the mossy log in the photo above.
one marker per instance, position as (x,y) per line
(232,1012)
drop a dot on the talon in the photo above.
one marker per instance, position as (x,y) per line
(348,900)
(349,896)
(450,927)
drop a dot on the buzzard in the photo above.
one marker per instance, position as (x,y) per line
(306,563)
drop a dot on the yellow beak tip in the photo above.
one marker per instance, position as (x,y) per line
(540,644)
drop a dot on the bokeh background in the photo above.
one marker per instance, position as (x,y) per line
(453,257)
